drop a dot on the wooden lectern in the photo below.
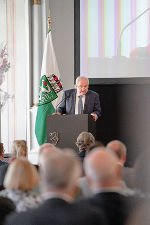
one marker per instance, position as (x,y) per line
(63,130)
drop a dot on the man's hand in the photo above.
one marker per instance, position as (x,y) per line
(57,113)
(95,117)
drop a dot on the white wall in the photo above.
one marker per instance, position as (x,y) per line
(62,16)
(13,116)
(18,116)
(62,19)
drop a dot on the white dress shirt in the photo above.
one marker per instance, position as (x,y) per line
(77,100)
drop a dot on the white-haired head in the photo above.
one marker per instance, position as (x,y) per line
(82,85)
(60,172)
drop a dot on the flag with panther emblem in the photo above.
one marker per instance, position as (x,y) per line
(50,91)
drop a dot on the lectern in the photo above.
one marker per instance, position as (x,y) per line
(63,130)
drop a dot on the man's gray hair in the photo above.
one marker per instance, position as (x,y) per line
(82,78)
(61,170)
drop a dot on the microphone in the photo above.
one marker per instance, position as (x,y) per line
(64,98)
(131,22)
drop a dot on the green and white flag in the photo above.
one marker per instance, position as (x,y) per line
(50,91)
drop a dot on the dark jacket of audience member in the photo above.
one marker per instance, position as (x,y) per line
(102,171)
(6,207)
(2,155)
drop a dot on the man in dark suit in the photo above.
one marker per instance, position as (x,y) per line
(103,175)
(90,100)
(59,173)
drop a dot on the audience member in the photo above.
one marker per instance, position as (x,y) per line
(6,207)
(121,151)
(45,150)
(2,154)
(20,179)
(84,142)
(85,190)
(103,175)
(3,166)
(95,145)
(59,174)
(19,150)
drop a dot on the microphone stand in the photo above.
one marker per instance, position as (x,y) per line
(132,21)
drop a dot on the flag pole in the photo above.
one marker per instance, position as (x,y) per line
(50,91)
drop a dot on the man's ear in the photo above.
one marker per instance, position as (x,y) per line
(124,159)
(75,86)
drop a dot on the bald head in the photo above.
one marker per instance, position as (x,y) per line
(101,168)
(46,150)
(119,148)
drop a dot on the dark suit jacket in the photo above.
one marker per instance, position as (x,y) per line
(58,212)
(92,103)
(116,207)
(3,170)
(3,163)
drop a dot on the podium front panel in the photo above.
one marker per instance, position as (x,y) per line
(63,130)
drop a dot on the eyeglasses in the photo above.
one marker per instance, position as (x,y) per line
(80,87)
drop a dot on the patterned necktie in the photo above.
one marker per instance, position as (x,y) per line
(80,105)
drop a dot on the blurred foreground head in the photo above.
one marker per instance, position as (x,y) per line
(101,168)
(44,151)
(119,149)
(60,172)
(21,175)
(19,149)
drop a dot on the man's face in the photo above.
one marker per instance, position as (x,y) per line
(82,87)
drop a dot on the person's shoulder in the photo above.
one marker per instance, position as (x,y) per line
(16,218)
(70,90)
(23,218)
(3,163)
(91,213)
(90,92)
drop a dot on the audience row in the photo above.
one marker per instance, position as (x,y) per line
(94,188)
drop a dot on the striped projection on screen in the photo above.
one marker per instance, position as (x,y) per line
(101,22)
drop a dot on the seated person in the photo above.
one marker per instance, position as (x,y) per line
(84,141)
(2,155)
(20,179)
